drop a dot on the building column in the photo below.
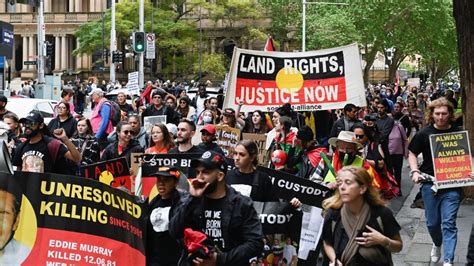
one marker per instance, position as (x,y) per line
(25,51)
(48,6)
(78,6)
(98,6)
(31,50)
(57,53)
(63,53)
(78,58)
(92,6)
(71,6)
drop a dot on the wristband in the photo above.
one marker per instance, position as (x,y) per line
(413,171)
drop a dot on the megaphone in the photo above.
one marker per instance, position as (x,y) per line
(6,165)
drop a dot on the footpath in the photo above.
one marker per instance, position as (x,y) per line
(416,239)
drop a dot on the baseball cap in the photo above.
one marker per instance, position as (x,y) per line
(159,92)
(167,171)
(211,160)
(3,98)
(210,128)
(95,91)
(34,117)
(228,111)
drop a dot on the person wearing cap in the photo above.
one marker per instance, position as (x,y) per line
(41,152)
(346,121)
(3,104)
(208,138)
(162,249)
(346,150)
(100,117)
(228,218)
(159,108)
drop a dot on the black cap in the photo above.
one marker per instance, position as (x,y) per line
(167,171)
(370,117)
(229,112)
(305,134)
(159,92)
(34,117)
(3,98)
(211,160)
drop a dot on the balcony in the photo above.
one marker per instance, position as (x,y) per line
(72,18)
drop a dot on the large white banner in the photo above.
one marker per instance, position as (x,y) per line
(309,81)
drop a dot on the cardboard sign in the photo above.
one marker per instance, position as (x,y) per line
(452,161)
(309,81)
(66,220)
(115,172)
(260,140)
(227,139)
(289,186)
(150,121)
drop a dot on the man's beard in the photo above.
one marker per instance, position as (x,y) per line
(211,187)
(183,141)
(33,133)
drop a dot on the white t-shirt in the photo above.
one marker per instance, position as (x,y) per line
(288,252)
(14,253)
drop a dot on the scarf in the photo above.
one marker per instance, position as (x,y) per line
(352,226)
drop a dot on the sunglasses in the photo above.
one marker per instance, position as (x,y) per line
(126,132)
(359,136)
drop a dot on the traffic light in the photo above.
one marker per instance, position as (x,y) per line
(138,42)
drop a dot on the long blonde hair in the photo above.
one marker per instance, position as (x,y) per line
(362,177)
(440,102)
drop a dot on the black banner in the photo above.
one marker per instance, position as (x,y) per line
(288,186)
(66,220)
(278,217)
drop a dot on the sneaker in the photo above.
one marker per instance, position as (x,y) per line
(447,264)
(435,253)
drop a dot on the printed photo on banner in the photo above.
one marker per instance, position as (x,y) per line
(149,121)
(452,159)
(115,173)
(69,220)
(309,81)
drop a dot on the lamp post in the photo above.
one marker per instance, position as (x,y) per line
(304,2)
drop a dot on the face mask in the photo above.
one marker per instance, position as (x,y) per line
(207,119)
(211,188)
(2,107)
(346,161)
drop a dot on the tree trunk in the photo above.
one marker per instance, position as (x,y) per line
(393,67)
(464,16)
(369,59)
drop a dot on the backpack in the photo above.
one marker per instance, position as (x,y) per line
(397,139)
(115,112)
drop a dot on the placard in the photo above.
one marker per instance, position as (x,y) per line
(227,139)
(452,161)
(115,172)
(260,140)
(150,121)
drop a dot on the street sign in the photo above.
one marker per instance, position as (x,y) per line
(150,46)
(29,63)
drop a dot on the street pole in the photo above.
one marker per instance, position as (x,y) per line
(200,43)
(152,15)
(304,3)
(40,44)
(141,15)
(113,42)
(303,41)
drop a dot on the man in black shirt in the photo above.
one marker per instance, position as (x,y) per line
(158,107)
(208,138)
(228,219)
(125,108)
(42,153)
(186,131)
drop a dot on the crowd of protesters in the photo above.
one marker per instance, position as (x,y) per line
(358,152)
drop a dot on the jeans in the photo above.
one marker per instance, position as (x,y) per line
(397,163)
(441,211)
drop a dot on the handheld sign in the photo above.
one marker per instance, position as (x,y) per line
(115,172)
(452,161)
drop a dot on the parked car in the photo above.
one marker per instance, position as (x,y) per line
(23,106)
